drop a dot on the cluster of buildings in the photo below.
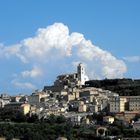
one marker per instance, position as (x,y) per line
(68,96)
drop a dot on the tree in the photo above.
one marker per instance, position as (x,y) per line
(60,119)
(33,118)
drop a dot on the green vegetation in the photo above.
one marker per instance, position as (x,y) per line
(11,115)
(124,87)
(14,124)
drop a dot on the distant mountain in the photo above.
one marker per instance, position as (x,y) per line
(124,87)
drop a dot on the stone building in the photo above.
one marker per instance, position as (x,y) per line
(133,103)
(66,81)
(124,103)
(22,107)
(4,99)
(82,107)
(117,104)
(37,97)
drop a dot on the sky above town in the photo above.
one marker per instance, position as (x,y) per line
(40,39)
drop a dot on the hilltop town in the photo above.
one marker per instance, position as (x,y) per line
(77,99)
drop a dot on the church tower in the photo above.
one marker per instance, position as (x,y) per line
(82,77)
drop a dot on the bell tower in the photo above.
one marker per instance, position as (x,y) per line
(81,74)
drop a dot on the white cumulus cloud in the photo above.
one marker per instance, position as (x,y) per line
(55,48)
(55,39)
(35,72)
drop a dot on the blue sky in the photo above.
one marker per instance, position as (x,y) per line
(113,26)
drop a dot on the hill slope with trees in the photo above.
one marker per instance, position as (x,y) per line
(124,87)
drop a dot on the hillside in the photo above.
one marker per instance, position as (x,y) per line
(125,87)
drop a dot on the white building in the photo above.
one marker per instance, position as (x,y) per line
(82,77)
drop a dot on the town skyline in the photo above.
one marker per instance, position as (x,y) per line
(40,40)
